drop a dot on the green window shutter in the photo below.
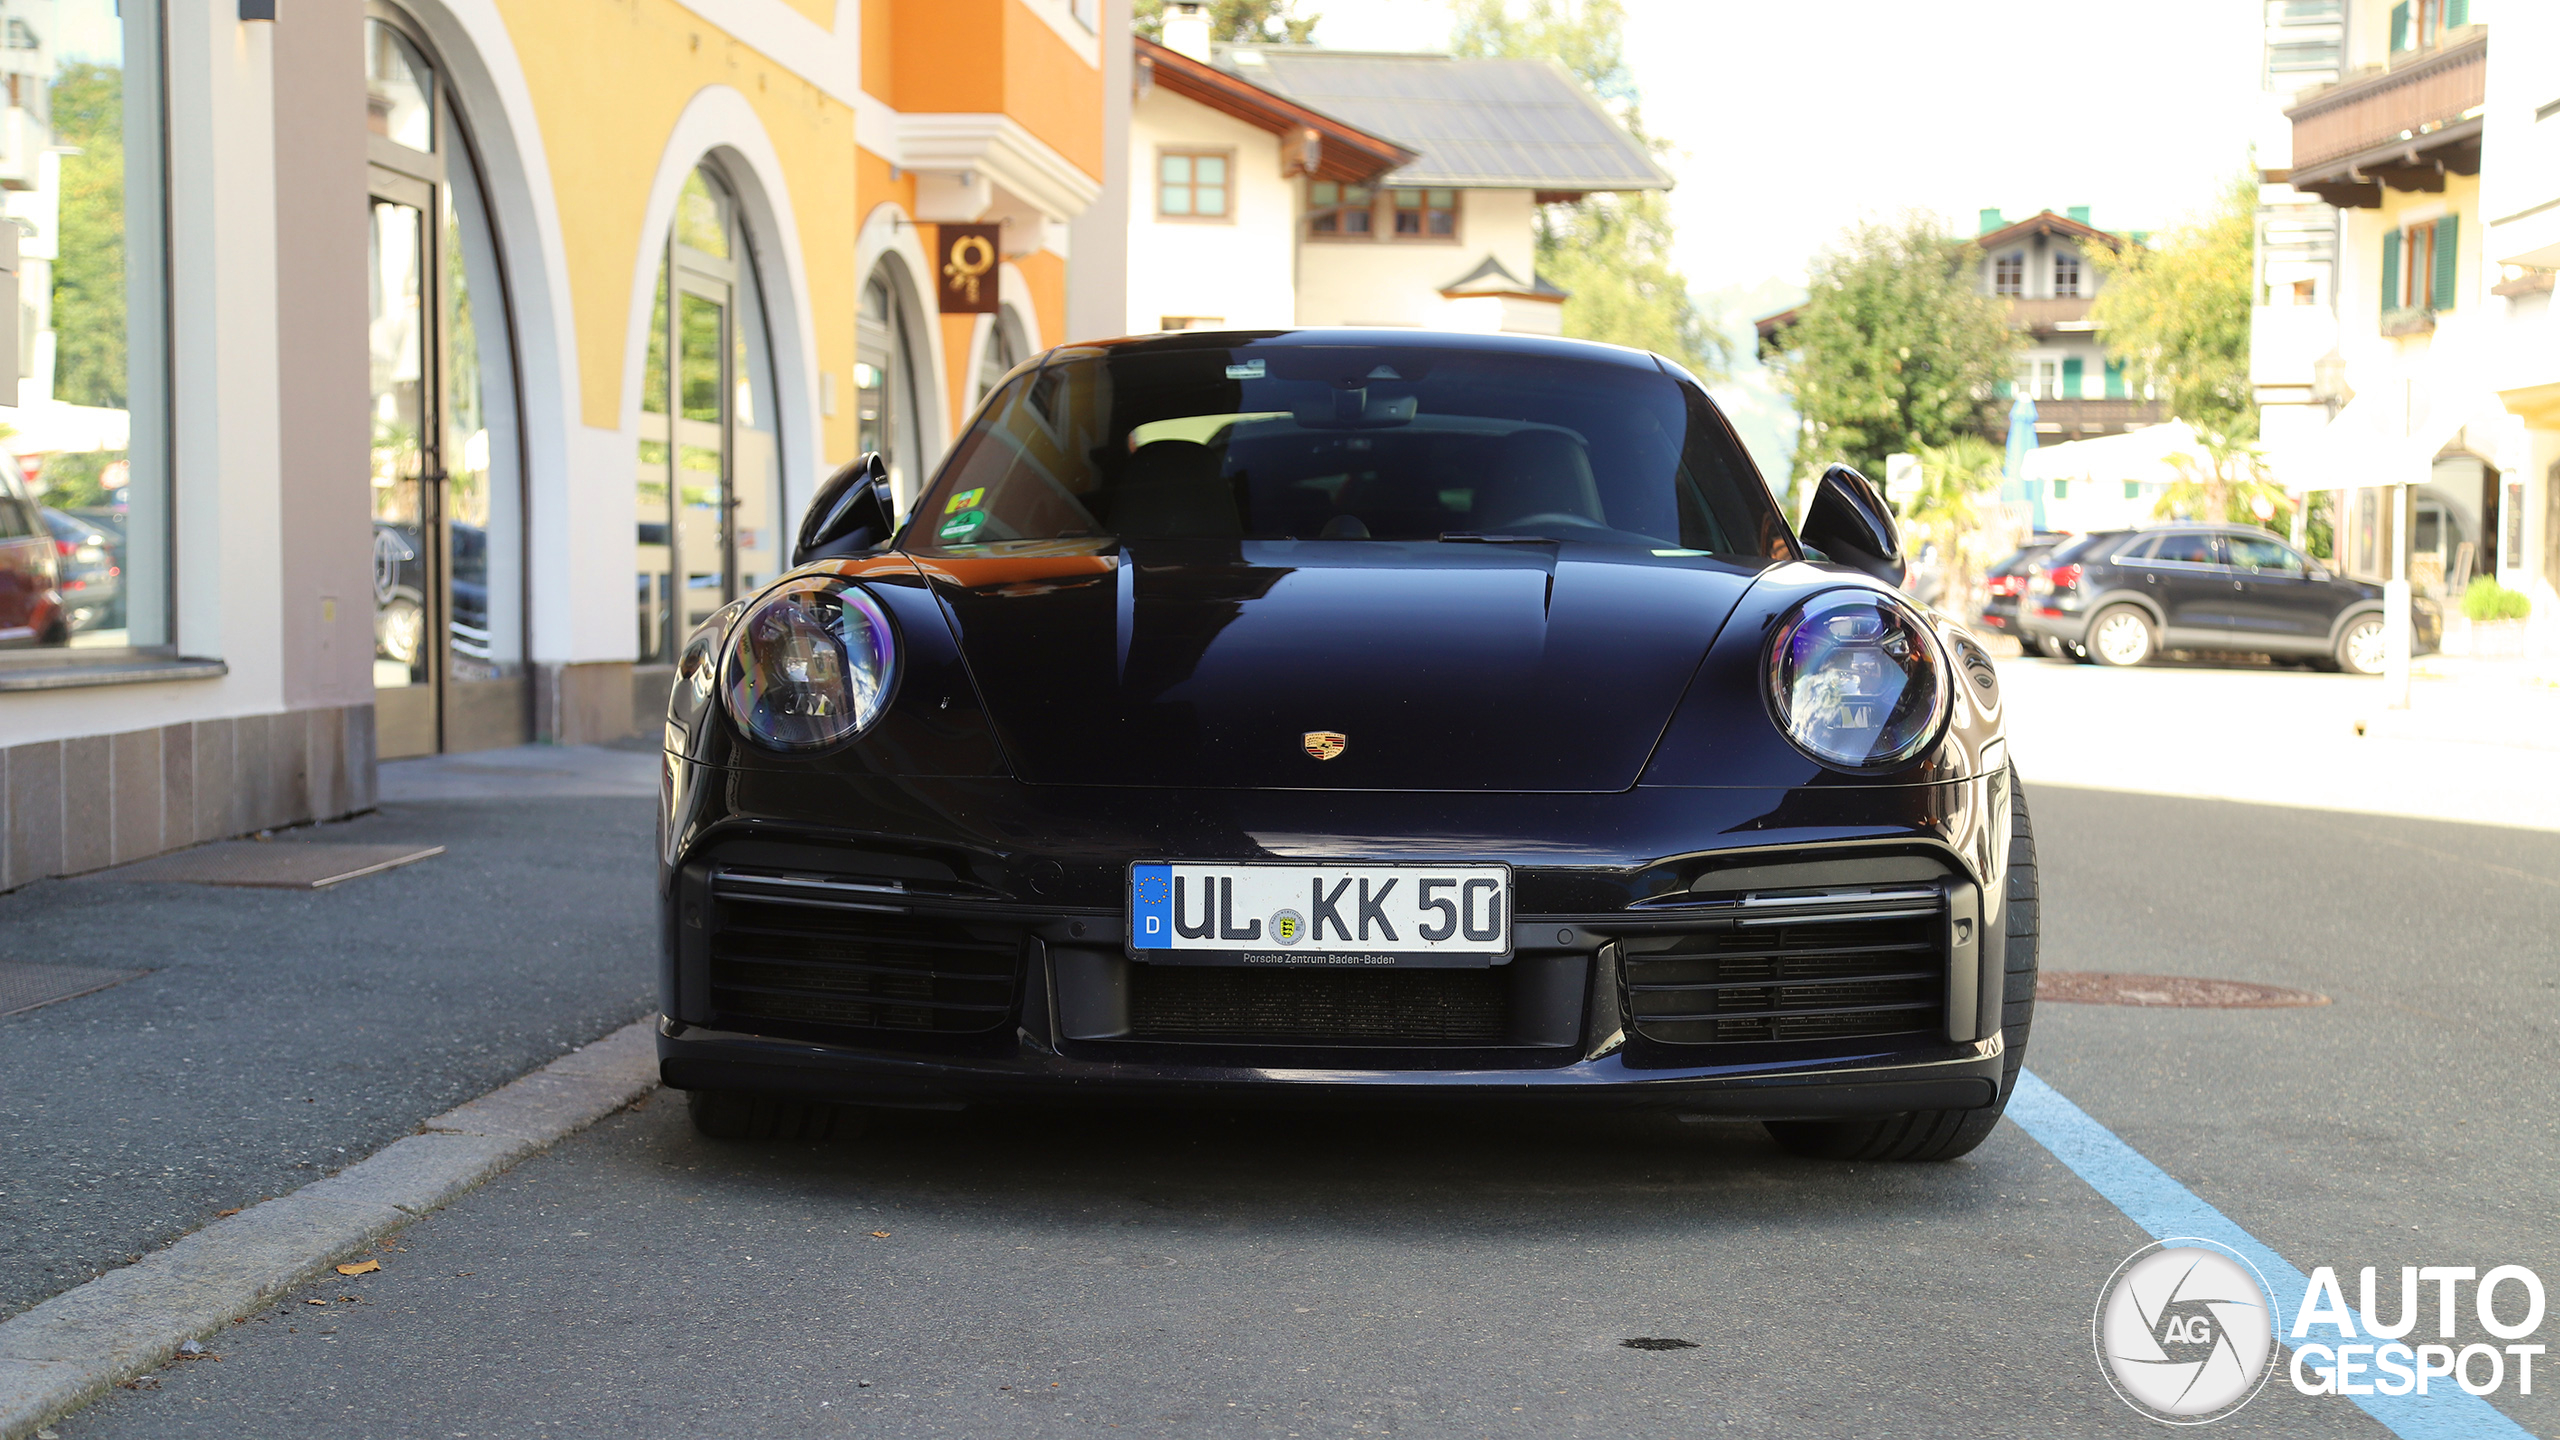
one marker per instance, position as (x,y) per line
(2115,379)
(2400,27)
(2390,271)
(2072,366)
(2440,285)
(2456,12)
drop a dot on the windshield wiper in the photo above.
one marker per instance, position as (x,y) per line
(1478,537)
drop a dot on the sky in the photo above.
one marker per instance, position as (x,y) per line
(1791,121)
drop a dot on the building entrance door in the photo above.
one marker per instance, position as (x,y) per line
(709,479)
(408,572)
(448,579)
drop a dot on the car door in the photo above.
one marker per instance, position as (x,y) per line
(2186,576)
(2279,606)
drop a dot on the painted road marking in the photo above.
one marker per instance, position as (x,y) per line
(2151,1199)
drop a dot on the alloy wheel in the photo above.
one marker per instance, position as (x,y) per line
(2123,638)
(2362,650)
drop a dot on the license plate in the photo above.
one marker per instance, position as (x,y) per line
(1288,914)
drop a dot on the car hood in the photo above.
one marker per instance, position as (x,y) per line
(1443,666)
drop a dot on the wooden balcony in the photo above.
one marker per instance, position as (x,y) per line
(2407,126)
(2061,420)
(2049,315)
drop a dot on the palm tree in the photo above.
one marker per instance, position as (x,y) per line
(1948,514)
(2229,484)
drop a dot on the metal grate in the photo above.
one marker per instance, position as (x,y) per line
(1319,1006)
(825,963)
(1865,971)
(24,987)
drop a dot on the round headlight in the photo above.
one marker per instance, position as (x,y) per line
(1855,680)
(810,664)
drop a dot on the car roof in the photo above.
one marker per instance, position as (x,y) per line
(1546,346)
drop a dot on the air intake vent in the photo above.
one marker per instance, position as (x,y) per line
(1825,967)
(826,960)
(1320,1007)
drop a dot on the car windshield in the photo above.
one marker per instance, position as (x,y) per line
(1347,442)
(2079,548)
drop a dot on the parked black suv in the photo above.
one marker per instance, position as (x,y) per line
(2119,597)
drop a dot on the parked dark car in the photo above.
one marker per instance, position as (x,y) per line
(2121,597)
(89,564)
(31,610)
(2007,582)
(1370,716)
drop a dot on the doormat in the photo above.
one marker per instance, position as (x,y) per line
(24,987)
(2184,992)
(274,865)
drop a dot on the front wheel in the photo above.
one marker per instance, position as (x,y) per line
(2360,648)
(1946,1134)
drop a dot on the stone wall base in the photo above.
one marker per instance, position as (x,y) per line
(71,806)
(582,704)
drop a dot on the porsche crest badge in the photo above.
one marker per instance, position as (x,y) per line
(1326,744)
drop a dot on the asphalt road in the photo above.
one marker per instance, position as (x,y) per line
(282,1035)
(1246,1275)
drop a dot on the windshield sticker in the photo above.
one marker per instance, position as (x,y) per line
(961,527)
(1249,370)
(965,500)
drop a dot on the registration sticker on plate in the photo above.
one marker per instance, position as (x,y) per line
(1290,914)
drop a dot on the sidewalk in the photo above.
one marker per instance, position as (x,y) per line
(2480,741)
(279,1035)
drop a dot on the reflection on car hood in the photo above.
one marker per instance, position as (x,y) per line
(1443,666)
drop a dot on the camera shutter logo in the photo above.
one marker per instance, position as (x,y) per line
(2185,1332)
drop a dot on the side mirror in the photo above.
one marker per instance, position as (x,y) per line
(1850,524)
(851,513)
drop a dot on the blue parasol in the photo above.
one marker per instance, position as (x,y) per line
(2022,438)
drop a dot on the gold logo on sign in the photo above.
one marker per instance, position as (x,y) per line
(971,257)
(1326,744)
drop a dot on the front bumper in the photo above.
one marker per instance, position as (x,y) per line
(948,942)
(1939,1077)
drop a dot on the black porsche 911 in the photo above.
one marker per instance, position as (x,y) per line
(1370,716)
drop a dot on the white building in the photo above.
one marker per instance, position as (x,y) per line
(1290,185)
(2442,379)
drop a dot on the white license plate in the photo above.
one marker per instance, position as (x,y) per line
(1288,914)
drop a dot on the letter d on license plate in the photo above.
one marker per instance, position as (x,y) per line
(1290,914)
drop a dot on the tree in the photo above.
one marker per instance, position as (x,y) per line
(1895,348)
(2229,483)
(1611,253)
(2177,311)
(88,279)
(1247,22)
(1947,515)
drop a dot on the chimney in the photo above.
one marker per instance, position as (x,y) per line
(1990,221)
(2080,213)
(1186,30)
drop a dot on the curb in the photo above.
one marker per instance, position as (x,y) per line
(66,1352)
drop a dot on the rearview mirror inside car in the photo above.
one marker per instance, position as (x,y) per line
(1850,524)
(852,512)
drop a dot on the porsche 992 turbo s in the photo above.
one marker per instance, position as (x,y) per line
(1356,715)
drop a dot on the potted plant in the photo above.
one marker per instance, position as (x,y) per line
(2496,615)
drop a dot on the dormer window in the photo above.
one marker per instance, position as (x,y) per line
(2066,275)
(2009,274)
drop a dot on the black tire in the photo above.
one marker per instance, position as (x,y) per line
(2122,637)
(746,1115)
(1946,1134)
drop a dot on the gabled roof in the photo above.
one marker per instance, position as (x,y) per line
(1343,152)
(1492,277)
(1477,124)
(2045,222)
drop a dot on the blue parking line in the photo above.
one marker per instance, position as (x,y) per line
(2151,1199)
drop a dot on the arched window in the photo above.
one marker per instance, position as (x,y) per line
(1006,348)
(447,474)
(884,382)
(710,462)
